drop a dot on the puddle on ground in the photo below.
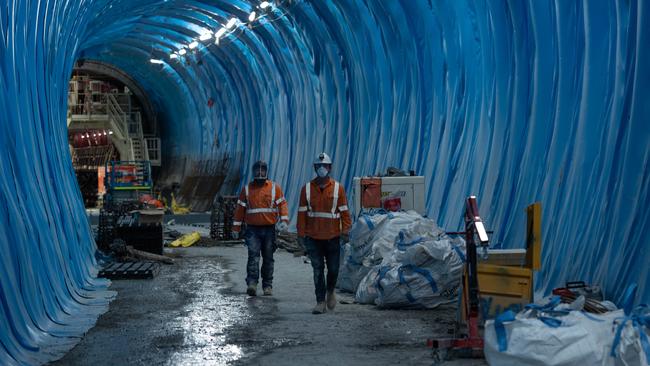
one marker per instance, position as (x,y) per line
(205,319)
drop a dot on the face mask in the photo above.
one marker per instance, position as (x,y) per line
(322,172)
(260,175)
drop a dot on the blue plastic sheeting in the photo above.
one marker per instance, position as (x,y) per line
(49,295)
(512,101)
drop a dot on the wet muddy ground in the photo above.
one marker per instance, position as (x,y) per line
(196,312)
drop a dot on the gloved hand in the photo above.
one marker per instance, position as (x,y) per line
(345,238)
(283,227)
(301,242)
(235,235)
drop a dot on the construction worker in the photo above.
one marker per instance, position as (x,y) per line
(323,221)
(261,206)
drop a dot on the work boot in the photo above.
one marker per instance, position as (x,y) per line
(252,290)
(319,308)
(268,291)
(331,300)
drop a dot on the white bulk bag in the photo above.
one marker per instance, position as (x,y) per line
(538,336)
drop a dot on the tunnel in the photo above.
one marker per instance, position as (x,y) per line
(511,101)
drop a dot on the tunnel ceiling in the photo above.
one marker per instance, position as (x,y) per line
(512,101)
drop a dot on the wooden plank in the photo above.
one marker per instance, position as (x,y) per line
(146,271)
(145,267)
(143,270)
(138,267)
(152,267)
(127,272)
(534,236)
(155,269)
(135,269)
(116,266)
(122,268)
(110,267)
(118,272)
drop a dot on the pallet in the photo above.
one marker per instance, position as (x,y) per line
(130,271)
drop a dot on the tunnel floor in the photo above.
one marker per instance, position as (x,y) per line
(195,312)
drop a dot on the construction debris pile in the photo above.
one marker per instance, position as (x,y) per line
(401,260)
(568,334)
(176,231)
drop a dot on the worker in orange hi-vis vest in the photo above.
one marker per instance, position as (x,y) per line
(261,206)
(323,222)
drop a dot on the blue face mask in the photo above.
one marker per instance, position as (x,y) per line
(322,172)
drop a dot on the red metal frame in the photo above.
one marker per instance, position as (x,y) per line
(473,343)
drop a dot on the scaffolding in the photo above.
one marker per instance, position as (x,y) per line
(95,105)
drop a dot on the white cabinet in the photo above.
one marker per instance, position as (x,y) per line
(409,189)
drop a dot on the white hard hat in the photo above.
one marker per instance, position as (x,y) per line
(323,158)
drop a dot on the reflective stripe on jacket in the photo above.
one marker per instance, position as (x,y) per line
(323,213)
(260,205)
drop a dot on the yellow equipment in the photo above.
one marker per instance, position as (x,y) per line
(186,240)
(504,280)
(178,209)
(506,277)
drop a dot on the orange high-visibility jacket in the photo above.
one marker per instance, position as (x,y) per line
(323,213)
(260,205)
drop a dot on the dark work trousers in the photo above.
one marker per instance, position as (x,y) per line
(260,239)
(322,252)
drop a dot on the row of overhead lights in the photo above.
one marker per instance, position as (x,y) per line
(218,35)
(87,135)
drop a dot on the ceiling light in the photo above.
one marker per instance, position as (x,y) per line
(218,35)
(110,132)
(231,23)
(265,4)
(155,61)
(252,16)
(205,36)
(173,56)
(193,45)
(182,51)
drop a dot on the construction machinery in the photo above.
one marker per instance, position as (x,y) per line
(506,275)
(391,193)
(493,282)
(125,214)
(106,122)
(472,343)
